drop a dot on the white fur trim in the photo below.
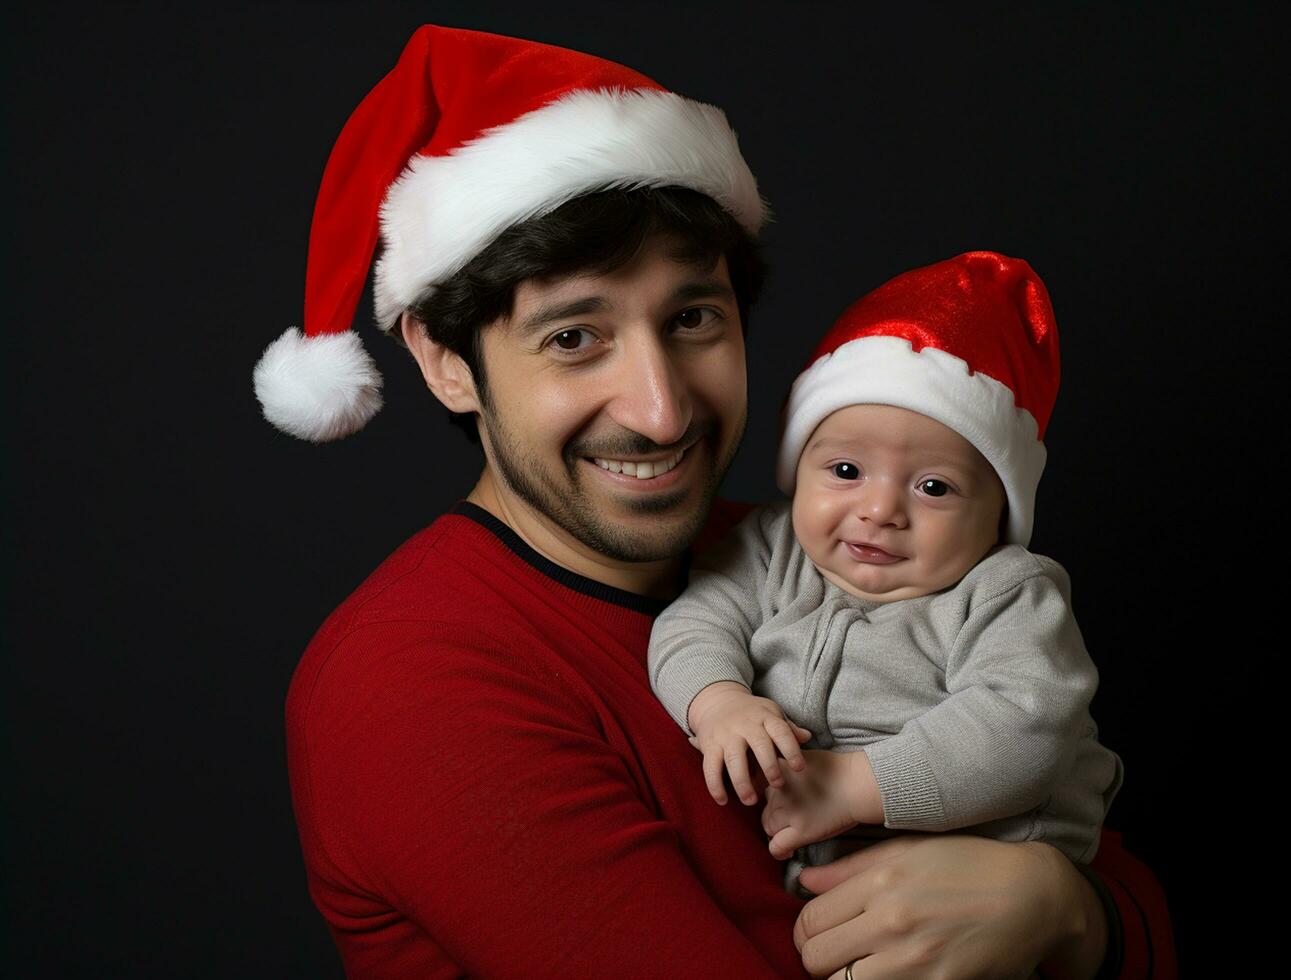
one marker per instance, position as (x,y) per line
(318,388)
(887,371)
(443,211)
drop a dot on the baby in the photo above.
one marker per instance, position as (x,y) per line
(890,617)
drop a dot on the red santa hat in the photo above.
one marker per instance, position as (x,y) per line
(970,342)
(470,134)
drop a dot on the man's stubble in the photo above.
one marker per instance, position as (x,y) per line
(571,509)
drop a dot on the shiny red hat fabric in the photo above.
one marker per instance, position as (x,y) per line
(989,310)
(469,134)
(971,342)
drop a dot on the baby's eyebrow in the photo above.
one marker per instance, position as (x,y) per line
(830,444)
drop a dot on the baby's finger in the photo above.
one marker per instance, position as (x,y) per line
(783,844)
(772,817)
(765,751)
(713,768)
(737,764)
(787,743)
(802,734)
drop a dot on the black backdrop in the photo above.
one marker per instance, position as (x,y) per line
(173,554)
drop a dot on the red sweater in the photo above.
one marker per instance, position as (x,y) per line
(485,785)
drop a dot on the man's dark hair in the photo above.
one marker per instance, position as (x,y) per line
(596,233)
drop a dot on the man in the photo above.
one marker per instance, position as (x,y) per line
(483,781)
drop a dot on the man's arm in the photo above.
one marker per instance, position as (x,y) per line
(951,906)
(481,800)
(1135,899)
(958,906)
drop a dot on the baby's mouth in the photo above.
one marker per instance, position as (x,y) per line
(870,554)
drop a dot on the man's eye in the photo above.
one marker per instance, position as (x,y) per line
(845,471)
(569,340)
(695,317)
(934,488)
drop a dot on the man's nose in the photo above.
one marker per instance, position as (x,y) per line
(882,502)
(651,396)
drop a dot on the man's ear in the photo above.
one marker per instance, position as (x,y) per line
(446,374)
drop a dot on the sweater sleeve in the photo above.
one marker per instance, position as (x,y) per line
(480,800)
(1138,913)
(1018,684)
(703,636)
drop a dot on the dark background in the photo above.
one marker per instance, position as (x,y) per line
(173,554)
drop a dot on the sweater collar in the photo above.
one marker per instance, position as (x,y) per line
(572,580)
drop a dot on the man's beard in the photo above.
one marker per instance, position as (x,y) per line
(570,508)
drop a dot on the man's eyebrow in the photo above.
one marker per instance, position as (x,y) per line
(703,289)
(551,312)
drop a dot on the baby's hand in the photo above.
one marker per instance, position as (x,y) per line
(728,721)
(835,792)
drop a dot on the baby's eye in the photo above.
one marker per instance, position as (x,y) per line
(934,488)
(845,471)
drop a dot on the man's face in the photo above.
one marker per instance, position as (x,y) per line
(616,402)
(890,504)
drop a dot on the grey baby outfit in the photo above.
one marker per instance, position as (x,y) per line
(972,703)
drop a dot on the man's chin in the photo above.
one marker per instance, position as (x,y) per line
(623,546)
(674,505)
(636,527)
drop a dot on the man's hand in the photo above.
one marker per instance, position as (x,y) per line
(950,906)
(728,722)
(835,792)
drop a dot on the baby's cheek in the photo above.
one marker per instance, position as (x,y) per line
(797,516)
(811,526)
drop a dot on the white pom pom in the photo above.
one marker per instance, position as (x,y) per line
(318,388)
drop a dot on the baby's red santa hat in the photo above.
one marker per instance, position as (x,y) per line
(470,134)
(970,342)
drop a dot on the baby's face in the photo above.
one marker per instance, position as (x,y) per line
(890,504)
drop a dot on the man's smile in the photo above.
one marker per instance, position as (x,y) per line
(659,473)
(642,469)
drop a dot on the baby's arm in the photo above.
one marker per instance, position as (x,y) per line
(700,667)
(1018,683)
(832,793)
(729,722)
